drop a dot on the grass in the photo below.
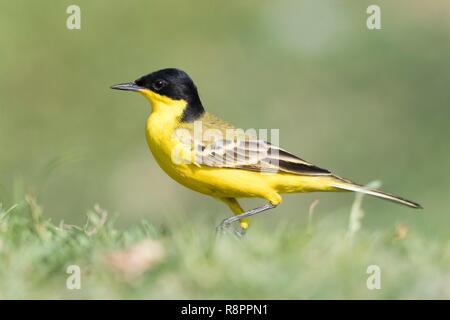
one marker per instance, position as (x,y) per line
(323,260)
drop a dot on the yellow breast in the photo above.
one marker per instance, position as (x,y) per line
(177,160)
(177,163)
(160,128)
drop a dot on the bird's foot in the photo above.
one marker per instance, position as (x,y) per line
(227,227)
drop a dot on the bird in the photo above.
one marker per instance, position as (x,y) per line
(208,155)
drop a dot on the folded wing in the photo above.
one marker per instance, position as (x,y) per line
(254,155)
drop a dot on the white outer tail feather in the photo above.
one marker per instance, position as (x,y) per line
(376,193)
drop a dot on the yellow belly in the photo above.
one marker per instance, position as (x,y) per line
(223,182)
(217,182)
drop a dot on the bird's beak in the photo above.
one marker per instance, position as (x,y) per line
(129,86)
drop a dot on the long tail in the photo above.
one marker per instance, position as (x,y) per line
(350,186)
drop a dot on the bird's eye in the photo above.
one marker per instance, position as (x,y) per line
(159,84)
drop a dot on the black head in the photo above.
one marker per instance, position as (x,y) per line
(172,83)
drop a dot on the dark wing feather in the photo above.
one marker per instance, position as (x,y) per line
(254,155)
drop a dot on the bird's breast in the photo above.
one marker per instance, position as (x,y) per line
(172,156)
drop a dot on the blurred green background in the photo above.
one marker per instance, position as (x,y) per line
(364,104)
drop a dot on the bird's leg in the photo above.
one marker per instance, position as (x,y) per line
(227,222)
(234,205)
(238,232)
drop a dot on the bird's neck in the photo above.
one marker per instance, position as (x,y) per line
(193,110)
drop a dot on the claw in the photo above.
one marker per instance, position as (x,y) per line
(220,229)
(239,232)
(226,225)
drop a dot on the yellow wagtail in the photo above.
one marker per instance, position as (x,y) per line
(221,161)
